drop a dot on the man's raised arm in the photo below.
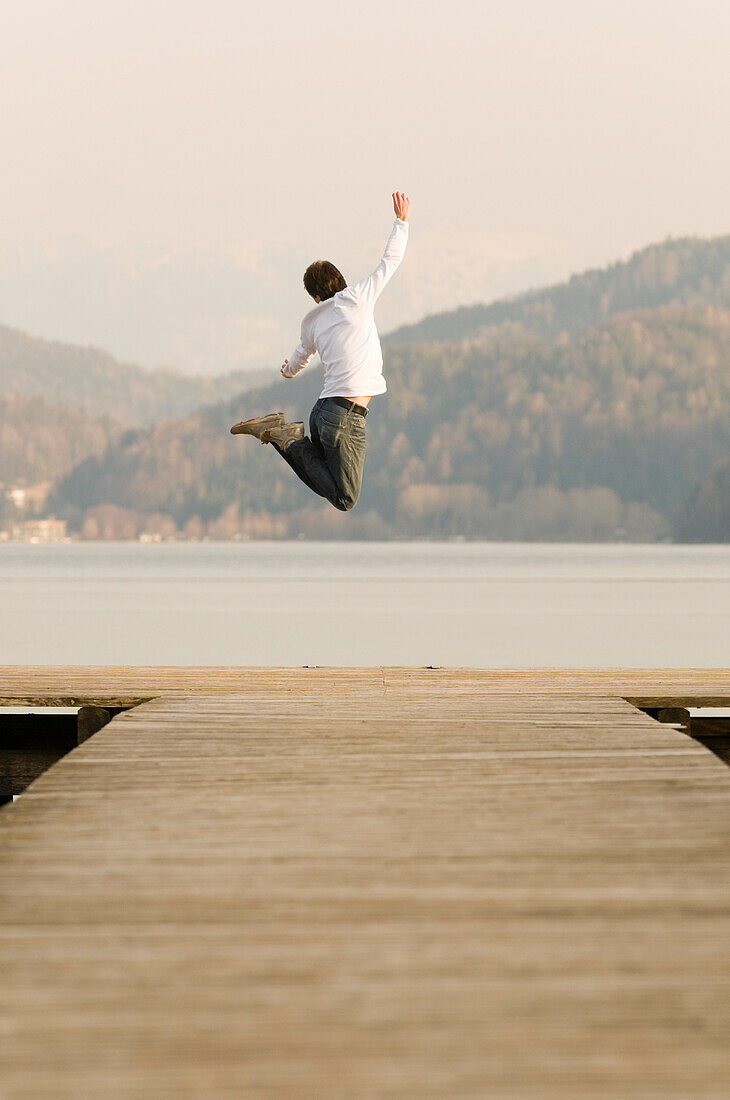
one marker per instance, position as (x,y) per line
(369,289)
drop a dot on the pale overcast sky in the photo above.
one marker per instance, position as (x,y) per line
(175,164)
(604,125)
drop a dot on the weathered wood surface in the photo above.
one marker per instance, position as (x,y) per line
(336,883)
(121,686)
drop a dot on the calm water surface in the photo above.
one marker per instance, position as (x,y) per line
(303,603)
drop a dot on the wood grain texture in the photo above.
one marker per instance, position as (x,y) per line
(123,686)
(369,882)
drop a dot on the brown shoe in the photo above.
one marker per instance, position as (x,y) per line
(283,436)
(258,424)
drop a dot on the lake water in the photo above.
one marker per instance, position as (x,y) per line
(303,603)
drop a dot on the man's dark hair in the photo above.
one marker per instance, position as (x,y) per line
(322,280)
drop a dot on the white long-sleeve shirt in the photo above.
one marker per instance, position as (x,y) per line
(342,329)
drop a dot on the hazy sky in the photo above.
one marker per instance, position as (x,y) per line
(600,125)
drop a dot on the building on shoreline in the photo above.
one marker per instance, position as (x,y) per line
(36,530)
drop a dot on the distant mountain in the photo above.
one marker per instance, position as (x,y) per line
(689,271)
(499,435)
(96,384)
(239,306)
(705,516)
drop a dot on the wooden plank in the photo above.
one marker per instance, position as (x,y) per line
(126,686)
(326,883)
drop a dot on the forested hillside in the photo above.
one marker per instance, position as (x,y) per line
(689,271)
(96,384)
(706,515)
(42,442)
(498,435)
(599,409)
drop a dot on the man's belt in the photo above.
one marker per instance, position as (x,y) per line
(349,405)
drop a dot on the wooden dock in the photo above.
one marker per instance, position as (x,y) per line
(369,883)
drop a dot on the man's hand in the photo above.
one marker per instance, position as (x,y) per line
(283,370)
(401,205)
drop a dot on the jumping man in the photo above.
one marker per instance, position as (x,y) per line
(341,327)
